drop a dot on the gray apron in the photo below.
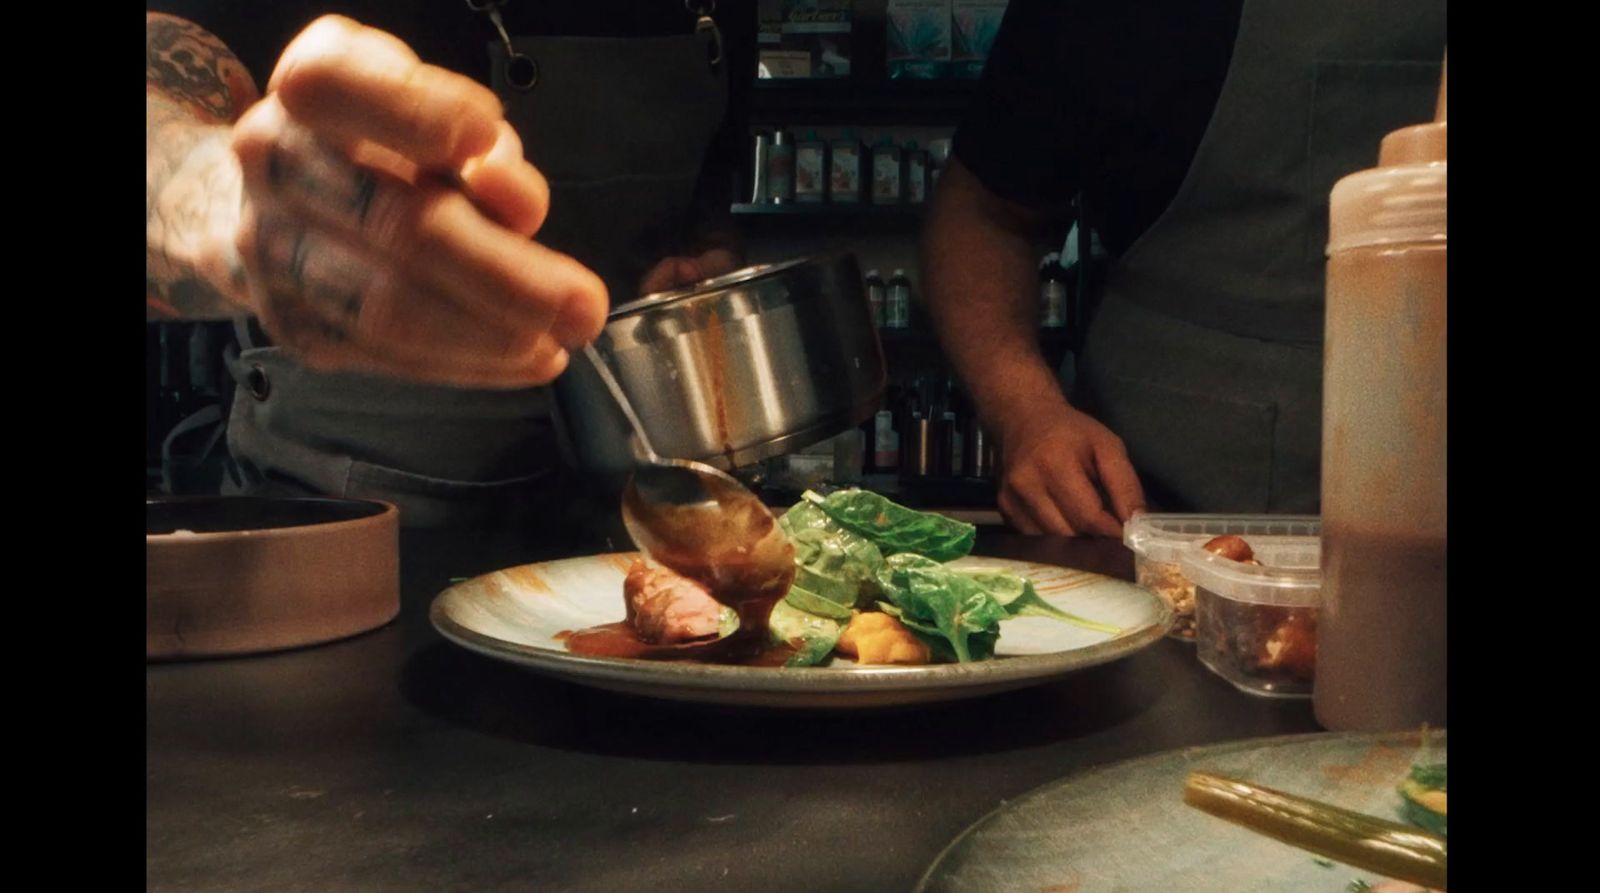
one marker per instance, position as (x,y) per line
(1205,351)
(620,127)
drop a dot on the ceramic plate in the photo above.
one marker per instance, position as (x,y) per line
(1126,828)
(517,614)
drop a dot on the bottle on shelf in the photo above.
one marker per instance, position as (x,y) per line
(949,437)
(780,168)
(897,304)
(885,443)
(887,169)
(811,168)
(849,456)
(758,189)
(1052,292)
(919,450)
(916,174)
(876,297)
(938,157)
(844,169)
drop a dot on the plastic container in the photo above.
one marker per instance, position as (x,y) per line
(1158,542)
(1256,625)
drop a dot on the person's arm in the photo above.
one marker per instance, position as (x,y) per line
(980,282)
(1017,160)
(195,89)
(1060,469)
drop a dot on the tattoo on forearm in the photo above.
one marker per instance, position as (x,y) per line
(186,63)
(193,189)
(194,89)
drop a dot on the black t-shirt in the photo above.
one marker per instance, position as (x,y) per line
(1108,98)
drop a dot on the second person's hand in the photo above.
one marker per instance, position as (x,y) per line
(1064,473)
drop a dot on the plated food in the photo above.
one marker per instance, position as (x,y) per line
(873,582)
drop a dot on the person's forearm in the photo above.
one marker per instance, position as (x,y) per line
(194,89)
(980,283)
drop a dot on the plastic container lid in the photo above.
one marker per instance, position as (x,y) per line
(1290,575)
(1162,537)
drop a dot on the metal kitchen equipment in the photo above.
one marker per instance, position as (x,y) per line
(729,371)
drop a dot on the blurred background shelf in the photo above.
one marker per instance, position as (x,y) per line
(860,102)
(902,212)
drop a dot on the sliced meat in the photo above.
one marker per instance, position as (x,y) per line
(665,608)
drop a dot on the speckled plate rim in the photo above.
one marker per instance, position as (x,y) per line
(816,680)
(1411,739)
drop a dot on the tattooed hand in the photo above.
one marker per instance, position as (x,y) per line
(387,218)
(194,89)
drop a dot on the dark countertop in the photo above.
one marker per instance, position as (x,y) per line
(398,761)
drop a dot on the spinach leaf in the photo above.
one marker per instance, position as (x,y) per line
(830,560)
(940,604)
(812,637)
(1017,595)
(895,528)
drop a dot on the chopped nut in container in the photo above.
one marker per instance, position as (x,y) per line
(1256,619)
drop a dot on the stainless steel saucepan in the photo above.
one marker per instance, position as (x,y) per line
(730,371)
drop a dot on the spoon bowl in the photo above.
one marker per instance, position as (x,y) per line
(698,521)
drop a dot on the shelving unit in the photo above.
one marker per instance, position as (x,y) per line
(882,236)
(860,101)
(904,212)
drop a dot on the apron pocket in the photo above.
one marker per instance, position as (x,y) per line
(426,501)
(1192,451)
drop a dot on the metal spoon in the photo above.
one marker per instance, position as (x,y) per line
(702,523)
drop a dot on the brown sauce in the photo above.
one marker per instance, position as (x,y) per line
(619,640)
(740,649)
(712,544)
(717,366)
